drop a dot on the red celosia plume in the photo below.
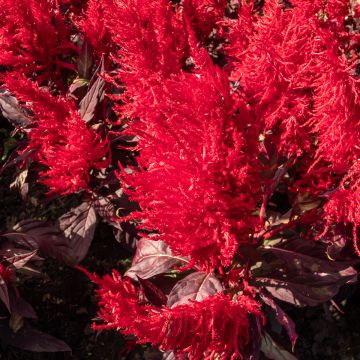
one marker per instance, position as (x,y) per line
(196,187)
(35,38)
(344,204)
(151,39)
(93,25)
(60,138)
(217,326)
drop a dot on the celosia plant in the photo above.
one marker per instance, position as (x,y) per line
(234,129)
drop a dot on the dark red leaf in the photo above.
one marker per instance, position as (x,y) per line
(36,234)
(4,294)
(94,95)
(32,340)
(107,208)
(196,286)
(282,318)
(274,351)
(11,110)
(79,226)
(20,306)
(153,258)
(20,257)
(78,83)
(335,248)
(169,355)
(21,183)
(152,293)
(300,273)
(85,60)
(14,159)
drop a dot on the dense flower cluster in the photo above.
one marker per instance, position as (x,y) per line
(297,66)
(60,139)
(216,325)
(34,38)
(196,186)
(233,106)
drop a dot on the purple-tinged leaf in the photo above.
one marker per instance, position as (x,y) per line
(11,110)
(94,95)
(169,355)
(336,246)
(153,258)
(15,158)
(107,207)
(20,183)
(152,293)
(16,322)
(274,351)
(252,350)
(305,202)
(79,226)
(20,257)
(32,340)
(4,293)
(282,318)
(298,294)
(36,234)
(269,189)
(20,306)
(78,83)
(196,286)
(85,60)
(299,272)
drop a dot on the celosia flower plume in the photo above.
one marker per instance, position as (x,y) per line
(196,187)
(59,138)
(35,38)
(217,326)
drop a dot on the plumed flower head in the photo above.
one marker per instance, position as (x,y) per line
(35,38)
(196,187)
(151,40)
(216,325)
(60,138)
(269,57)
(344,204)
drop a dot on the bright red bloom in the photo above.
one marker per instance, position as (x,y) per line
(93,25)
(336,106)
(151,38)
(269,56)
(60,138)
(298,68)
(344,204)
(196,186)
(34,38)
(217,325)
